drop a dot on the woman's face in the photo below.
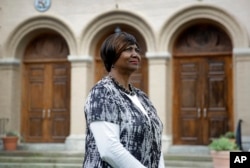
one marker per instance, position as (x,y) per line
(129,60)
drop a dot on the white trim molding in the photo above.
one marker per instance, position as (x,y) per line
(9,61)
(158,55)
(80,58)
(241,51)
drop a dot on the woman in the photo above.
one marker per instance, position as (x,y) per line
(123,129)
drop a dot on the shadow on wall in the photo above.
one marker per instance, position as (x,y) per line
(3,126)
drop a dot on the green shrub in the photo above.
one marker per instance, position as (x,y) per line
(223,143)
(229,135)
(11,133)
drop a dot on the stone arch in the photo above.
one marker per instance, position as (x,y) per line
(105,25)
(22,34)
(15,46)
(116,17)
(196,13)
(201,47)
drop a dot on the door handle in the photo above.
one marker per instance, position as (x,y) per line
(48,113)
(198,112)
(44,111)
(205,112)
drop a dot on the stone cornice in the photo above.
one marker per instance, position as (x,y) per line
(241,51)
(79,58)
(9,61)
(158,55)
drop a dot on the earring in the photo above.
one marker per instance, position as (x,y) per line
(112,66)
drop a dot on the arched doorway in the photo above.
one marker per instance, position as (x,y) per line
(46,89)
(139,78)
(202,100)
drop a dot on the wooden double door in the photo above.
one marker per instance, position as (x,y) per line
(202,98)
(46,89)
(46,110)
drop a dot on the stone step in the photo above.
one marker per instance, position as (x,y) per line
(188,156)
(40,159)
(42,153)
(186,164)
(36,159)
(66,160)
(69,159)
(39,165)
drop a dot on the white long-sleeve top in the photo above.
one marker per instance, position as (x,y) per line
(106,135)
(111,150)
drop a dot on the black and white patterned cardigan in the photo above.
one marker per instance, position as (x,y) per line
(139,134)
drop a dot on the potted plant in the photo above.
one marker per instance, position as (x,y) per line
(220,151)
(10,140)
(230,135)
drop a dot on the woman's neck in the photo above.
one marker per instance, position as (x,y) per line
(122,79)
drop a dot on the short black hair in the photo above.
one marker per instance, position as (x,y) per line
(113,46)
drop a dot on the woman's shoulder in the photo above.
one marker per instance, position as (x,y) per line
(103,86)
(140,92)
(142,96)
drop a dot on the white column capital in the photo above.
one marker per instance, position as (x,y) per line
(9,61)
(80,58)
(241,51)
(158,55)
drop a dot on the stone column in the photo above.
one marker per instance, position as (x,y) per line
(242,92)
(79,85)
(159,91)
(10,93)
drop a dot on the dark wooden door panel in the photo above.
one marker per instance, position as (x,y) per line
(47,100)
(59,112)
(59,127)
(217,108)
(35,101)
(189,107)
(202,99)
